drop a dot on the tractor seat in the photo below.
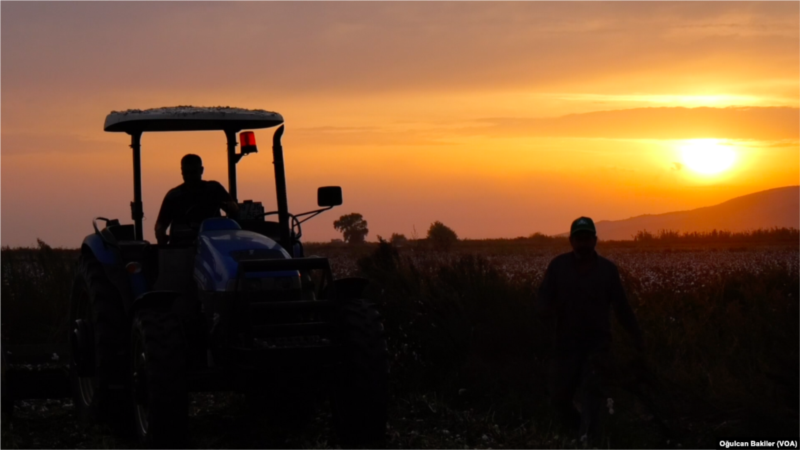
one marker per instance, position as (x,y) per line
(117,233)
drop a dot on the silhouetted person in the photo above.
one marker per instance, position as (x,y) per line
(192,201)
(580,288)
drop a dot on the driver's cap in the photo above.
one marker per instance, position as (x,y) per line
(191,160)
(582,224)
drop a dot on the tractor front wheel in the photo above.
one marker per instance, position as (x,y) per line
(359,397)
(99,348)
(161,399)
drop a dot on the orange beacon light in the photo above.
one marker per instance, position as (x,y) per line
(247,140)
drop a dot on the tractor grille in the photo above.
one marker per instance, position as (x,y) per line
(290,324)
(292,342)
(279,312)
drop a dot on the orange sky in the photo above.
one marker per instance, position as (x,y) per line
(498,119)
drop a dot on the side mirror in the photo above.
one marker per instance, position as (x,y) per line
(329,196)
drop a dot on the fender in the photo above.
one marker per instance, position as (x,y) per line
(154,299)
(104,253)
(351,287)
(129,286)
(109,257)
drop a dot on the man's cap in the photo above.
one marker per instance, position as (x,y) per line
(582,224)
(191,160)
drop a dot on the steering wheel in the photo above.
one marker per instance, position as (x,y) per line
(295,224)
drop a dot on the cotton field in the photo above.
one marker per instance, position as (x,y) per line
(643,271)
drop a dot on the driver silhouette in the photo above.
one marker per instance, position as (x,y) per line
(186,206)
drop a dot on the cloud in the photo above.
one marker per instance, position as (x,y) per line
(772,127)
(302,48)
(762,123)
(372,136)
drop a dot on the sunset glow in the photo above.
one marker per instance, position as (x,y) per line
(707,156)
(224,222)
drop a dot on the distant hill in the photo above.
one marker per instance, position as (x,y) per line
(778,207)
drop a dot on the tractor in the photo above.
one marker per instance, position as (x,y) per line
(228,304)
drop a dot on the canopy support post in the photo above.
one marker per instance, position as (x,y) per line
(137,210)
(280,190)
(232,160)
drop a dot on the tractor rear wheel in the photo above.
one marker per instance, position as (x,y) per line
(359,397)
(5,397)
(99,348)
(158,353)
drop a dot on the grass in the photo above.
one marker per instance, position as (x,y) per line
(36,285)
(470,357)
(715,352)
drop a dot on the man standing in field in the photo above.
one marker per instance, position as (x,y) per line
(579,288)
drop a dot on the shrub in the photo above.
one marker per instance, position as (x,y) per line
(398,240)
(454,324)
(36,286)
(441,236)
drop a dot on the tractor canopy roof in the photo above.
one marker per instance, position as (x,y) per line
(190,118)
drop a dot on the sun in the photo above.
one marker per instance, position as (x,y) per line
(707,156)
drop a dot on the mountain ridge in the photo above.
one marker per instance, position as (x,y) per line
(777,207)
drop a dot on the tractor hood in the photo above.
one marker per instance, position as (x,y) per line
(220,250)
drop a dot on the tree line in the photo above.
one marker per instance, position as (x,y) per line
(354,229)
(774,234)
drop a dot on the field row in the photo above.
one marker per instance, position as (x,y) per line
(642,271)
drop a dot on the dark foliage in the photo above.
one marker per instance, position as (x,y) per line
(36,285)
(441,236)
(464,331)
(353,227)
(398,240)
(720,236)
